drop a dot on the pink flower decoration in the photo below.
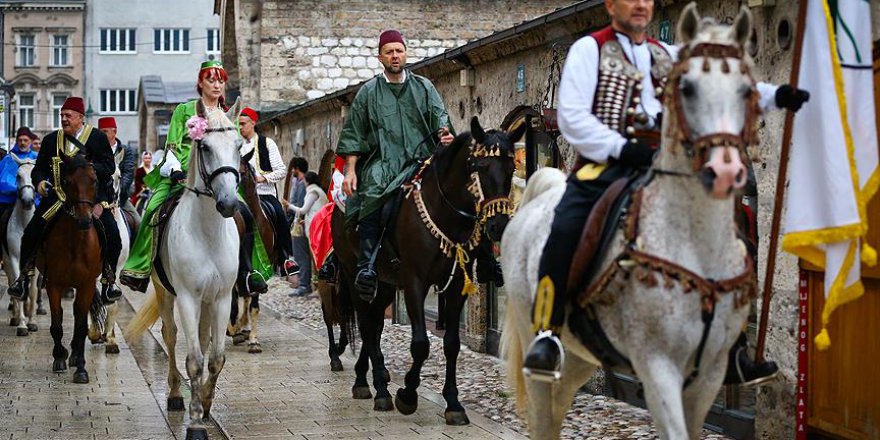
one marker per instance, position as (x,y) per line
(196,127)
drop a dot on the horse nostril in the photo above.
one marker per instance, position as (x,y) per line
(707,177)
(740,177)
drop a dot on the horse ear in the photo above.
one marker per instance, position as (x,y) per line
(517,133)
(688,23)
(742,26)
(234,111)
(477,131)
(15,158)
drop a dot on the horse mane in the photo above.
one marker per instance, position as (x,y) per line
(325,171)
(76,162)
(444,157)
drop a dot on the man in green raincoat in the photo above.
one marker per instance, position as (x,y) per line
(382,141)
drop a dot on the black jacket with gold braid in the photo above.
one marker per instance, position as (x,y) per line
(97,151)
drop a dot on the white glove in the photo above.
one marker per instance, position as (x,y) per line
(170,165)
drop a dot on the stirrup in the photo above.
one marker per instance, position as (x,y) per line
(247,283)
(548,376)
(290,267)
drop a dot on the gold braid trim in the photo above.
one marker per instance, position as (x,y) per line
(447,246)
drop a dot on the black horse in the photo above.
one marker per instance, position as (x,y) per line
(455,204)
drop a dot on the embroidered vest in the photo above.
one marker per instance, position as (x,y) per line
(619,87)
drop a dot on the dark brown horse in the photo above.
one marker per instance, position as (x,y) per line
(460,200)
(70,257)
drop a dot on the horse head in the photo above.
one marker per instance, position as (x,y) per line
(26,193)
(491,165)
(80,186)
(712,103)
(217,158)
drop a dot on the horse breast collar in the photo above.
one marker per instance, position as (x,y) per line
(485,209)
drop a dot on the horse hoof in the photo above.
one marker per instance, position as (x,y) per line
(196,433)
(239,339)
(175,404)
(336,365)
(96,341)
(81,377)
(59,365)
(404,407)
(42,311)
(255,348)
(32,327)
(111,349)
(383,404)
(13,322)
(361,392)
(21,331)
(457,418)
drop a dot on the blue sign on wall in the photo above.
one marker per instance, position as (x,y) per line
(520,78)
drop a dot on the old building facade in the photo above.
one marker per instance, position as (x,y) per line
(280,53)
(44,59)
(128,39)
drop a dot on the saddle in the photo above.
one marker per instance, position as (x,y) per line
(159,223)
(606,217)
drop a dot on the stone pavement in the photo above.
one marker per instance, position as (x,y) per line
(289,392)
(36,403)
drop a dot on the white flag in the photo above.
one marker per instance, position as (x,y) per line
(834,151)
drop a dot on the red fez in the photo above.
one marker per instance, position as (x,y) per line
(24,131)
(107,122)
(390,36)
(74,103)
(251,113)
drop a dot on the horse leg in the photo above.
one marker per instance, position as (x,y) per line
(169,335)
(30,308)
(384,296)
(254,311)
(407,399)
(216,356)
(85,293)
(361,389)
(455,413)
(111,346)
(548,403)
(663,382)
(95,336)
(59,353)
(190,313)
(333,349)
(700,394)
(238,335)
(20,321)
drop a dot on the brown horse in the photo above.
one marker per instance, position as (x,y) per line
(70,257)
(246,309)
(457,200)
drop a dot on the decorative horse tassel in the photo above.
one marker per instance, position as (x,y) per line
(462,257)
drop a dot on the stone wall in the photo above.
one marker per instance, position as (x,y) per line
(286,52)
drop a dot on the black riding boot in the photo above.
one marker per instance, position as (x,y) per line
(111,247)
(742,370)
(248,282)
(366,280)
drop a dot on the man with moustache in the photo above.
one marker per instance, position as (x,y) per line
(408,109)
(592,70)
(74,137)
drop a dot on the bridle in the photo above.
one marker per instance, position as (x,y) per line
(71,204)
(697,148)
(206,177)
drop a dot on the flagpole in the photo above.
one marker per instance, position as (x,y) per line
(781,178)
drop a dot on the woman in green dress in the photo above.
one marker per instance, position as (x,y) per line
(166,180)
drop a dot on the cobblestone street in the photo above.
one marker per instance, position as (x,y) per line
(287,391)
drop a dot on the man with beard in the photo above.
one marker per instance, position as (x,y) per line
(408,109)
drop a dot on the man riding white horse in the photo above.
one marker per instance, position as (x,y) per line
(610,111)
(9,167)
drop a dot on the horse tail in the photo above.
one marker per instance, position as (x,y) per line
(146,316)
(343,305)
(543,180)
(99,313)
(512,350)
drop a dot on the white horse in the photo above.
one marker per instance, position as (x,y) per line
(22,315)
(687,219)
(107,332)
(200,257)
